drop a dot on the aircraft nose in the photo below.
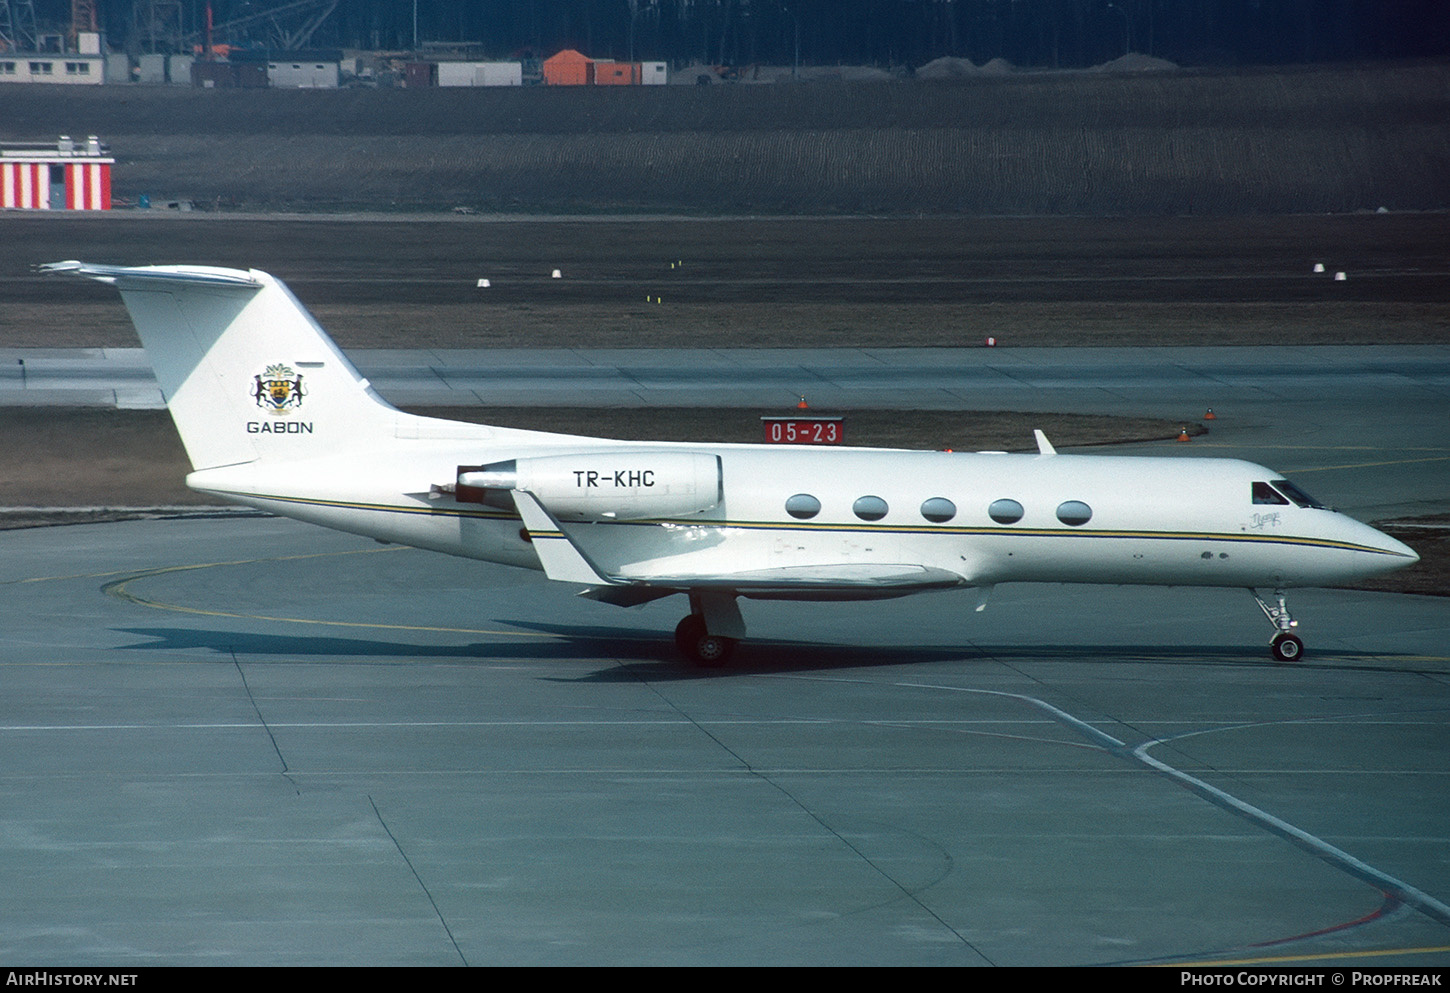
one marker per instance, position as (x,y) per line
(1401,548)
(1393,546)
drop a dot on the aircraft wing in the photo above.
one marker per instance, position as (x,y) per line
(831,581)
(902,577)
(564,560)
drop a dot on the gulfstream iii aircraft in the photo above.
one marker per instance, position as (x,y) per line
(273,416)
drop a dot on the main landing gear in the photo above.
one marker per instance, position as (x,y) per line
(1284,646)
(714,626)
(709,651)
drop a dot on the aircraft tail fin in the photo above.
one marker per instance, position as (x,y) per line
(246,371)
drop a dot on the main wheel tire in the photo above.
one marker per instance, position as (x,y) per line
(1287,647)
(711,651)
(690,630)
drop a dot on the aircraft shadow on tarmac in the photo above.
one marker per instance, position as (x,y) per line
(634,653)
(614,646)
(256,646)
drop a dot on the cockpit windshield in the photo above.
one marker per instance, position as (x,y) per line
(1281,492)
(1296,494)
(1266,494)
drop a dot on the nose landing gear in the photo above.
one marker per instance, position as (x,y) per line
(1285,645)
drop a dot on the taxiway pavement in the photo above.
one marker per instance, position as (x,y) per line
(247,741)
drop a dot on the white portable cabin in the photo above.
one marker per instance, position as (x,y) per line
(480,74)
(304,74)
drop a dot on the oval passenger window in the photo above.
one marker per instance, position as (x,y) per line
(803,506)
(1074,513)
(938,510)
(1005,511)
(870,508)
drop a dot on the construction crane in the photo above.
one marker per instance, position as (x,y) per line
(82,19)
(156,25)
(286,27)
(18,32)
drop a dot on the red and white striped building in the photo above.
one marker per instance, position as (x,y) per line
(67,175)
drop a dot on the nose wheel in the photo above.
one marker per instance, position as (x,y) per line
(1285,645)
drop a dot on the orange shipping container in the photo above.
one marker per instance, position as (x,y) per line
(616,73)
(568,68)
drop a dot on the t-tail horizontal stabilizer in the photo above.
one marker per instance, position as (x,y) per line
(247,373)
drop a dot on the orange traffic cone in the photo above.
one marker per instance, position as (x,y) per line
(803,405)
(1210,416)
(1183,434)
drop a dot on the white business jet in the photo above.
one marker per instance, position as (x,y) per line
(275,417)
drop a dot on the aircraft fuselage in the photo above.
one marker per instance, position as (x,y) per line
(985,518)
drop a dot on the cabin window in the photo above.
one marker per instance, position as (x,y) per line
(1005,511)
(1296,494)
(870,508)
(938,510)
(1266,494)
(1074,513)
(802,506)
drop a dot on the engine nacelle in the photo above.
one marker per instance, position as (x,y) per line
(602,485)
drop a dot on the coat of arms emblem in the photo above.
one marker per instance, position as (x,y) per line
(278,390)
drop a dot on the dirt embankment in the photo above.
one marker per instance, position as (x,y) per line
(1233,142)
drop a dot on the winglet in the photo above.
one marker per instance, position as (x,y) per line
(1044,446)
(560,557)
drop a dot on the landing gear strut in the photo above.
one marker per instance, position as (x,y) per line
(1284,646)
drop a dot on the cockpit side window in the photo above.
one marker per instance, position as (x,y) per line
(1296,494)
(1266,494)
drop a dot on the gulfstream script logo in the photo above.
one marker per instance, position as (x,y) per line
(279,392)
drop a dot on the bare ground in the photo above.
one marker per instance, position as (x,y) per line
(1330,139)
(807,282)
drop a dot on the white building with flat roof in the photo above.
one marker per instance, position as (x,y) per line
(50,67)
